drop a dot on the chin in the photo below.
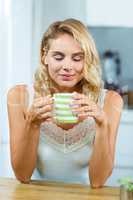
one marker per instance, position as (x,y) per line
(67,85)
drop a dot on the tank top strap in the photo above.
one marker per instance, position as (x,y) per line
(101,98)
(31,92)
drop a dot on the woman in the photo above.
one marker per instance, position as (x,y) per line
(69,62)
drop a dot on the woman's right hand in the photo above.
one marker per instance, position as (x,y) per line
(41,109)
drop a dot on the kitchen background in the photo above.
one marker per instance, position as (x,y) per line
(111,24)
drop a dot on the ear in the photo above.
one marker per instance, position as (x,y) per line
(46,60)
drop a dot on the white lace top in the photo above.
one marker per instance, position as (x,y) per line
(63,155)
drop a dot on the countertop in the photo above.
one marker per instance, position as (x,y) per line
(13,190)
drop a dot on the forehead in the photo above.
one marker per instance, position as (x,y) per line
(65,42)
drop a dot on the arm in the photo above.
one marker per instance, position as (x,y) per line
(101,163)
(24,135)
(24,126)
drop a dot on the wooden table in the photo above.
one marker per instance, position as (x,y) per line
(13,190)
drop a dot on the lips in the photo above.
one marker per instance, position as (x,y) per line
(67,77)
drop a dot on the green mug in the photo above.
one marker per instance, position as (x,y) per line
(62,110)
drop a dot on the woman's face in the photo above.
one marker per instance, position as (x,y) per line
(65,61)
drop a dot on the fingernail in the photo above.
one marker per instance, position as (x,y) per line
(74,112)
(71,105)
(74,92)
(74,105)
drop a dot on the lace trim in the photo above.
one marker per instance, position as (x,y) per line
(72,139)
(64,141)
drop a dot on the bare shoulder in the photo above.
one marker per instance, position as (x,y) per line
(113,97)
(16,93)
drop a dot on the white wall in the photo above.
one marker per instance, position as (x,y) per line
(22,40)
(15,51)
(114,12)
(5,62)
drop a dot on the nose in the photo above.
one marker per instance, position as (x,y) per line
(68,66)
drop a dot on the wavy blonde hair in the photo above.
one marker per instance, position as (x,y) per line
(91,84)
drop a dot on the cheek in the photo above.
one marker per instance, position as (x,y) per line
(79,67)
(53,69)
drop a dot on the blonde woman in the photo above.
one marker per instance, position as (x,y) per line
(69,62)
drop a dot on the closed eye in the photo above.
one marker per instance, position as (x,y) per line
(58,57)
(78,58)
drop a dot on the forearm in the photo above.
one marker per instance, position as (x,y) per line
(101,162)
(107,122)
(24,150)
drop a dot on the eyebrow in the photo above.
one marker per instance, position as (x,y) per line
(79,53)
(57,52)
(74,54)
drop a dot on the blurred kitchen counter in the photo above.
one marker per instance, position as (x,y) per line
(13,190)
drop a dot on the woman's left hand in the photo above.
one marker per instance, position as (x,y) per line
(85,108)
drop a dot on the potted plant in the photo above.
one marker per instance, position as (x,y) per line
(126,188)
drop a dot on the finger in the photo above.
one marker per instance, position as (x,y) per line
(38,98)
(46,115)
(88,114)
(82,117)
(78,95)
(80,102)
(42,102)
(82,109)
(44,109)
(49,119)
